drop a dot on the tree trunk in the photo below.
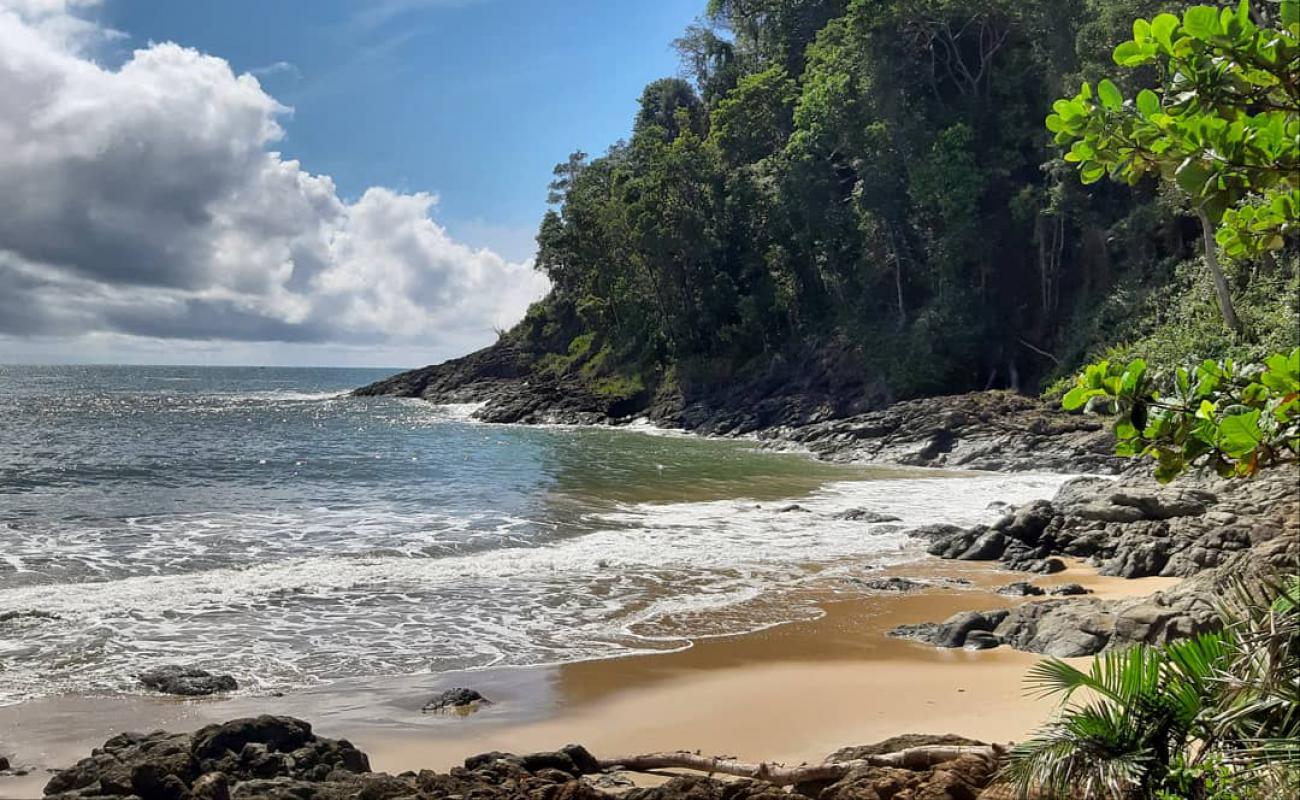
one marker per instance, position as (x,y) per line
(1216,272)
(914,758)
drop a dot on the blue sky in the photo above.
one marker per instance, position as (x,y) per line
(371,198)
(475,100)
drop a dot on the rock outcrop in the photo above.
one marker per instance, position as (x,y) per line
(1210,532)
(995,430)
(820,400)
(279,758)
(455,699)
(186,681)
(214,762)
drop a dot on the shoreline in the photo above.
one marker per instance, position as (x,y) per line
(792,692)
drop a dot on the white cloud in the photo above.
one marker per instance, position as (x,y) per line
(145,201)
(277,68)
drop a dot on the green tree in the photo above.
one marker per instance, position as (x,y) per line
(1222,123)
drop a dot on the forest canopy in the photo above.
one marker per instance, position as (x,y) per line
(875,176)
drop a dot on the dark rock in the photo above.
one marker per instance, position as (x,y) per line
(581,758)
(1166,502)
(211,786)
(4,763)
(891,584)
(1067,590)
(934,533)
(1138,559)
(953,631)
(981,640)
(987,547)
(792,507)
(866,515)
(483,759)
(1021,589)
(186,681)
(1058,628)
(453,699)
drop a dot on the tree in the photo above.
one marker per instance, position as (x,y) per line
(1222,123)
(660,102)
(754,120)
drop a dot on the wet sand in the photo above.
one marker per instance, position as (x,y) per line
(791,693)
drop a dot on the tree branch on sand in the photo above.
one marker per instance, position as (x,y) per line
(913,758)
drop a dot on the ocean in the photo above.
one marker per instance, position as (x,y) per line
(260,522)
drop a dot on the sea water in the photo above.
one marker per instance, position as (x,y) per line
(261,522)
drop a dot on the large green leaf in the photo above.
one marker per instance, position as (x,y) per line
(1239,434)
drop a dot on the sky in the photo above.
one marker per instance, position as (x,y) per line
(300,182)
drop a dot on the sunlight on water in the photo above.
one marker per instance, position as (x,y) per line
(263,523)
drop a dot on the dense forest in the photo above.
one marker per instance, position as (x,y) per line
(867,186)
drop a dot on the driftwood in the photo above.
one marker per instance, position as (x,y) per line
(914,758)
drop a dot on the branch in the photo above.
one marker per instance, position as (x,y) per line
(1040,351)
(914,758)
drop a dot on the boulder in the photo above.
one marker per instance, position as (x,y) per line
(866,515)
(953,631)
(987,547)
(186,681)
(455,699)
(1021,589)
(1068,590)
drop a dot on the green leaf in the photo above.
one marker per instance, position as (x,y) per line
(1191,177)
(1078,397)
(1239,435)
(1148,103)
(1290,13)
(1201,22)
(1109,95)
(1162,28)
(1130,54)
(1132,377)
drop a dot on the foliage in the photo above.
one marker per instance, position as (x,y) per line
(872,172)
(1234,420)
(1223,123)
(1210,718)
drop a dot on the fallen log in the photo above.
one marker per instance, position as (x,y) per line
(914,758)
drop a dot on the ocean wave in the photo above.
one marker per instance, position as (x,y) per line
(643,576)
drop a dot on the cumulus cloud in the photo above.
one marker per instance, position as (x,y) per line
(148,200)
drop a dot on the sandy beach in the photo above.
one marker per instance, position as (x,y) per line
(790,693)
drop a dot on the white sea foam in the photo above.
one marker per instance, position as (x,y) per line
(632,578)
(461,412)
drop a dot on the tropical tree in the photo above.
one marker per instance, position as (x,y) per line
(1222,123)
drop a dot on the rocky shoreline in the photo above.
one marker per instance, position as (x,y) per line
(280,758)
